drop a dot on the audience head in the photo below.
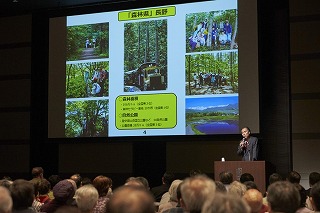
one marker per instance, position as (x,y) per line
(86,198)
(274,178)
(77,179)
(226,177)
(54,179)
(22,193)
(102,184)
(315,196)
(64,190)
(225,203)
(303,194)
(173,190)
(5,200)
(131,199)
(195,191)
(168,178)
(5,183)
(314,177)
(44,187)
(220,187)
(246,177)
(37,172)
(144,181)
(254,199)
(250,185)
(237,189)
(293,177)
(137,181)
(86,181)
(283,196)
(194,172)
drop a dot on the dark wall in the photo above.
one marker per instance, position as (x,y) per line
(150,158)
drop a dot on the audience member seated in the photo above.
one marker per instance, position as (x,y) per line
(246,177)
(173,199)
(5,183)
(158,191)
(178,208)
(220,187)
(36,204)
(226,178)
(53,179)
(63,193)
(37,174)
(225,203)
(86,181)
(5,200)
(237,189)
(293,177)
(131,199)
(283,196)
(22,193)
(303,199)
(86,198)
(77,179)
(195,191)
(253,197)
(250,185)
(314,177)
(315,197)
(102,184)
(44,189)
(194,172)
(274,177)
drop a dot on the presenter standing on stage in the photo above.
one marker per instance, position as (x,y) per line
(248,147)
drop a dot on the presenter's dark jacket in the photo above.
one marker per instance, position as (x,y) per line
(249,153)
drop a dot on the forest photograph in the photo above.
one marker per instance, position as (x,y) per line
(212,73)
(87,118)
(212,115)
(208,31)
(145,55)
(90,41)
(89,79)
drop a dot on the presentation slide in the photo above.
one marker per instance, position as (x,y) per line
(158,71)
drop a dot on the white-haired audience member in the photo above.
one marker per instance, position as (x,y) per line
(5,200)
(237,189)
(195,191)
(225,203)
(86,198)
(173,198)
(131,199)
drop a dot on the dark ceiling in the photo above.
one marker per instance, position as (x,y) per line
(16,7)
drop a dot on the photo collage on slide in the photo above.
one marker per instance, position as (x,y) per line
(162,82)
(87,80)
(211,73)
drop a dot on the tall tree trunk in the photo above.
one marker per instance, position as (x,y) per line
(146,55)
(157,45)
(235,32)
(139,42)
(189,74)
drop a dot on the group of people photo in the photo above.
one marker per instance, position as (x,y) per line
(212,73)
(215,30)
